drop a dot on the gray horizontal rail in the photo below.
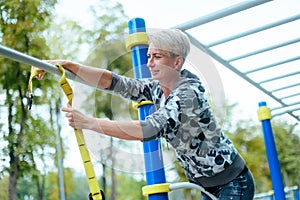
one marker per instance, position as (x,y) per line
(285,87)
(290,96)
(188,185)
(32,61)
(256,30)
(273,65)
(287,106)
(219,14)
(265,49)
(279,77)
(286,112)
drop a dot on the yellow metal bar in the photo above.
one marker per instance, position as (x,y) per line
(264,113)
(157,188)
(136,39)
(137,105)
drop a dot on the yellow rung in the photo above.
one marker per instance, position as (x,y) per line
(136,39)
(137,105)
(157,188)
(264,113)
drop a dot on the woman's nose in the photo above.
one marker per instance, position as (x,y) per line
(150,62)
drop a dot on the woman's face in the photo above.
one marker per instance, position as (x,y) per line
(162,65)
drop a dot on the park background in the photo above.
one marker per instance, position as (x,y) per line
(75,32)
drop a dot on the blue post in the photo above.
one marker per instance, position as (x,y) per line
(264,116)
(154,166)
(296,193)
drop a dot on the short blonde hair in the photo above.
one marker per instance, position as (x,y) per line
(172,40)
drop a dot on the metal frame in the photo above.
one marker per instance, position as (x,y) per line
(284,107)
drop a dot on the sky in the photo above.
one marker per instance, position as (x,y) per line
(169,13)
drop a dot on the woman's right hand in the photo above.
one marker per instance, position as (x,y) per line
(58,62)
(66,64)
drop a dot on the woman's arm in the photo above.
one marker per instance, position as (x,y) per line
(95,76)
(129,130)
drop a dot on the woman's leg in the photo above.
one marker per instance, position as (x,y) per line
(240,188)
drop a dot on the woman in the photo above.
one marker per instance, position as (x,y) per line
(183,116)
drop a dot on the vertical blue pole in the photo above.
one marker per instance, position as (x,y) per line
(154,166)
(264,116)
(296,193)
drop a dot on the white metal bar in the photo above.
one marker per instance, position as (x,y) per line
(186,185)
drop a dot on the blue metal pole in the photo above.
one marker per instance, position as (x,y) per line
(154,166)
(264,116)
(296,193)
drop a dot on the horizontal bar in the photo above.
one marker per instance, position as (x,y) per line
(219,14)
(279,77)
(290,96)
(273,65)
(252,31)
(290,112)
(202,47)
(29,60)
(286,106)
(265,49)
(286,87)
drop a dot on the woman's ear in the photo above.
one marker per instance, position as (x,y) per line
(178,62)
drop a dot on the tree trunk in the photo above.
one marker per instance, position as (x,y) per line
(15,141)
(104,178)
(113,174)
(13,175)
(13,158)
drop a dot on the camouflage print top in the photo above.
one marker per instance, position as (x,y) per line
(187,122)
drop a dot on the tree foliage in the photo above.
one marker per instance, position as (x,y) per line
(27,136)
(287,141)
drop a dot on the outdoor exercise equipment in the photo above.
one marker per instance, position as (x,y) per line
(156,188)
(137,42)
(264,115)
(95,192)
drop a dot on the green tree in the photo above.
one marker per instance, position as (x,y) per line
(4,187)
(129,188)
(70,185)
(80,188)
(287,141)
(22,24)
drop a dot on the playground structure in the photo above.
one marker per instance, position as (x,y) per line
(157,188)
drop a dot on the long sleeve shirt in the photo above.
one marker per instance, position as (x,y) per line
(185,119)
